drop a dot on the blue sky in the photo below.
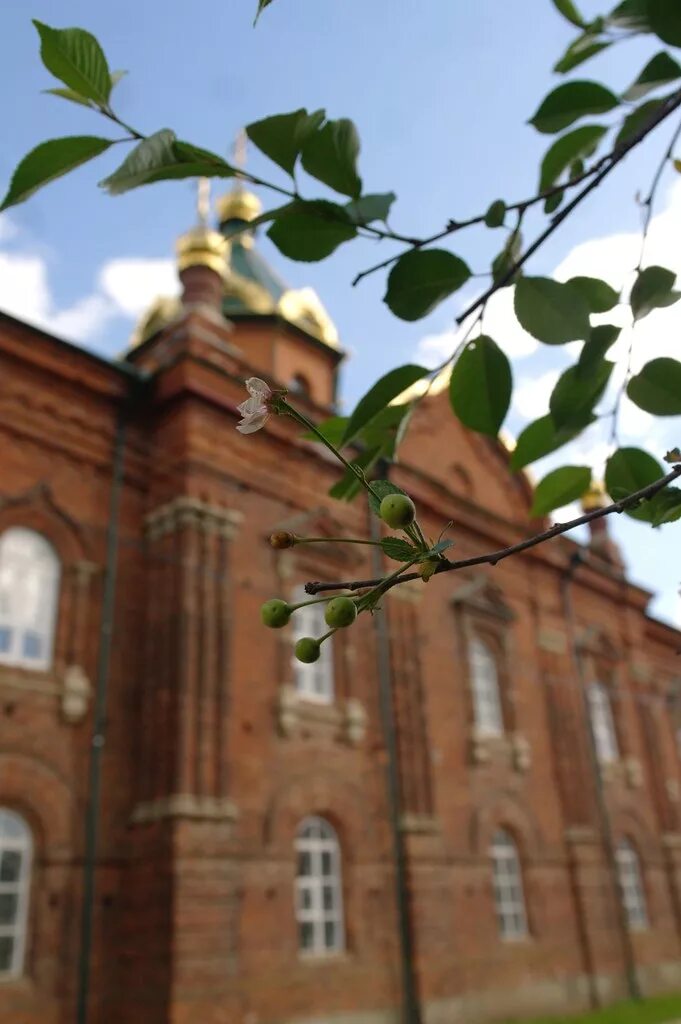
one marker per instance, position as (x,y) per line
(440,92)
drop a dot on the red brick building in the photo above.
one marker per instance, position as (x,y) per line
(195,829)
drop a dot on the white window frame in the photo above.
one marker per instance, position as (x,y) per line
(507,882)
(602,723)
(17,574)
(16,840)
(484,672)
(631,885)
(313,682)
(319,882)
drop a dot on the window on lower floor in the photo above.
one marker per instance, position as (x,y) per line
(319,892)
(15,872)
(631,884)
(509,897)
(313,681)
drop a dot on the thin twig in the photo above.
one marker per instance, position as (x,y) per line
(496,556)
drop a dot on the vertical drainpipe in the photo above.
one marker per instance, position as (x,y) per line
(411,1011)
(601,803)
(99,722)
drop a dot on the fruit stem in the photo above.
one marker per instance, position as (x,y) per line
(335,540)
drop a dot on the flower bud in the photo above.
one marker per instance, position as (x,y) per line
(282,539)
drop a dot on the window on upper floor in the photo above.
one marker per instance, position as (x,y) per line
(29,588)
(15,873)
(299,385)
(631,885)
(319,891)
(602,723)
(484,674)
(313,681)
(509,897)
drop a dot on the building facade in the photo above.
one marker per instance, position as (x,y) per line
(467,810)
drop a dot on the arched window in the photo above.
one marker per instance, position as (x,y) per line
(29,585)
(314,681)
(319,892)
(299,385)
(631,884)
(602,723)
(489,720)
(509,899)
(15,873)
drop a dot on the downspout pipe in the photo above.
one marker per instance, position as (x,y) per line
(99,722)
(605,824)
(411,1010)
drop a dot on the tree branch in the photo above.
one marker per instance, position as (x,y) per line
(496,556)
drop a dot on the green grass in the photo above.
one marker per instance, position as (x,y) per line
(658,1010)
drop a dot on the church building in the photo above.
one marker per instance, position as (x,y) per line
(467,810)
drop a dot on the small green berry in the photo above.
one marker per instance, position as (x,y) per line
(307,650)
(397,510)
(275,613)
(340,612)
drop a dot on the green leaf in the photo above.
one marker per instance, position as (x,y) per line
(666,506)
(661,70)
(332,429)
(551,312)
(70,94)
(398,549)
(162,157)
(348,487)
(507,258)
(421,280)
(574,396)
(559,488)
(665,20)
(636,121)
(630,15)
(76,59)
(553,201)
(629,470)
(538,439)
(387,429)
(657,388)
(310,231)
(330,155)
(599,296)
(480,386)
(48,161)
(282,136)
(380,395)
(262,4)
(494,218)
(116,76)
(571,101)
(583,48)
(653,289)
(595,347)
(441,546)
(381,488)
(370,207)
(569,11)
(579,143)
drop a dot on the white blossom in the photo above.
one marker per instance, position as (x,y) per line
(255,410)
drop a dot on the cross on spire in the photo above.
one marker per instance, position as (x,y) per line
(239,150)
(203,201)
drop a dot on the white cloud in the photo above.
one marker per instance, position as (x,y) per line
(133,283)
(24,292)
(531,394)
(7,228)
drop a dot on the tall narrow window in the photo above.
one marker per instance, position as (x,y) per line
(319,893)
(489,720)
(29,584)
(509,899)
(15,872)
(602,723)
(315,681)
(631,884)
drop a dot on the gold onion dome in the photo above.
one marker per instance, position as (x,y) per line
(238,204)
(203,247)
(595,497)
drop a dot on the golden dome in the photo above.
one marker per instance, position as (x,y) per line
(595,497)
(161,312)
(238,204)
(202,247)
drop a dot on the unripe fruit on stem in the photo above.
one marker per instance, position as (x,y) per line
(397,510)
(307,650)
(282,539)
(340,612)
(275,613)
